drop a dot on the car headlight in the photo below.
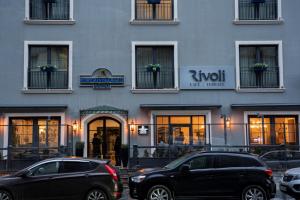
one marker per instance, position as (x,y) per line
(138,179)
(296,177)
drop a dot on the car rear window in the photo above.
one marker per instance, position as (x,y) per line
(224,161)
(78,166)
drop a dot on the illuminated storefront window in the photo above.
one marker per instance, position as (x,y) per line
(273,130)
(180,130)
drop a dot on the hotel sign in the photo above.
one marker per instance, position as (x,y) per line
(101,78)
(207,77)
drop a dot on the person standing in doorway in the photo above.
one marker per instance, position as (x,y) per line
(96,146)
(117,149)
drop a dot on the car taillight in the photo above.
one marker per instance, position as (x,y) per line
(269,172)
(112,172)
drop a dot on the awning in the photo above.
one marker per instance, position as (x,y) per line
(269,106)
(179,106)
(103,110)
(32,108)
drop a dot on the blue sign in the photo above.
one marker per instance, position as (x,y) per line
(207,77)
(101,78)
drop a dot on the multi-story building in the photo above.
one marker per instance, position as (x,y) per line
(190,72)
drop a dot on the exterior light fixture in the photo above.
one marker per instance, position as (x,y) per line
(75,126)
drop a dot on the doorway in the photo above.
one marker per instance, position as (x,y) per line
(104,139)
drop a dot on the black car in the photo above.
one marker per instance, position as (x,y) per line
(63,178)
(206,175)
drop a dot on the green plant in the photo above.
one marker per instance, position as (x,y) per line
(260,66)
(47,68)
(153,67)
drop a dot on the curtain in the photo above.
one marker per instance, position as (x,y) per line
(49,9)
(261,11)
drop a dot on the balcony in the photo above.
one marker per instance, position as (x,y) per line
(258,11)
(47,80)
(159,12)
(259,79)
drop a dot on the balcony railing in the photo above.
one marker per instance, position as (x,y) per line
(258,11)
(162,11)
(259,79)
(47,80)
(150,80)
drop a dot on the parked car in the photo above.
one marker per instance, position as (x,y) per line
(282,159)
(63,178)
(207,174)
(290,183)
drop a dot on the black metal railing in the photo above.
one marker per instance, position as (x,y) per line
(155,80)
(48,80)
(248,10)
(161,11)
(251,78)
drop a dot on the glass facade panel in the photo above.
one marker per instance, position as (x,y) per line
(49,9)
(22,133)
(199,130)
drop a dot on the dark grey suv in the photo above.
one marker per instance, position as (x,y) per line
(63,178)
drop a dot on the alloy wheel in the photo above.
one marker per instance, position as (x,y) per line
(159,194)
(254,193)
(96,195)
(4,196)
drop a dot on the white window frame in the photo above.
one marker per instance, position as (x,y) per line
(280,63)
(26,59)
(7,116)
(282,113)
(206,113)
(275,21)
(31,21)
(175,14)
(155,43)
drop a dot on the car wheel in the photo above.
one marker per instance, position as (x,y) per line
(96,194)
(159,192)
(254,192)
(5,195)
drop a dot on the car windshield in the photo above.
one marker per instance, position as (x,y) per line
(177,162)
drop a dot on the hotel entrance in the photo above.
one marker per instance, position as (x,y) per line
(104,139)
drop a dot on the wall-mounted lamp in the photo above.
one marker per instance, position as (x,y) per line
(132,126)
(228,122)
(75,126)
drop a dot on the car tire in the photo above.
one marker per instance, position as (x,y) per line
(254,192)
(5,195)
(159,192)
(96,194)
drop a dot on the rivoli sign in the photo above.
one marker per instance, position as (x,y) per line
(101,78)
(207,77)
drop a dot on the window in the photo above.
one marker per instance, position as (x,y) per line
(154,66)
(45,169)
(224,161)
(273,130)
(258,10)
(154,10)
(47,66)
(182,130)
(202,162)
(32,133)
(49,10)
(259,65)
(75,166)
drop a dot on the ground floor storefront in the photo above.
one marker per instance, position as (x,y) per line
(155,131)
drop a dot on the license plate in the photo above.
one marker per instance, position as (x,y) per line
(283,188)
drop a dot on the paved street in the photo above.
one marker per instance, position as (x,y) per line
(279,196)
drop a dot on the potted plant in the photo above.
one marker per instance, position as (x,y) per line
(124,154)
(154,69)
(79,147)
(153,1)
(47,68)
(259,67)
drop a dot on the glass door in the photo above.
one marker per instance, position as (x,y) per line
(181,134)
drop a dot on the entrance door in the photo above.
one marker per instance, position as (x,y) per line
(104,139)
(181,134)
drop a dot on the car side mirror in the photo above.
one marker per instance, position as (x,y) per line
(185,169)
(23,174)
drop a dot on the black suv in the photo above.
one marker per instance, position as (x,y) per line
(63,178)
(204,175)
